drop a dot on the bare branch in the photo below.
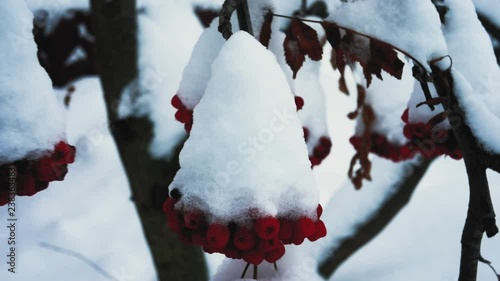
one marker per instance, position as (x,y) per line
(80,257)
(480,215)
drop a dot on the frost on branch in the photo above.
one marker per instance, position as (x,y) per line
(32,122)
(240,190)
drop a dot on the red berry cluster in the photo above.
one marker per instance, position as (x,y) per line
(183,114)
(321,150)
(34,175)
(429,141)
(423,139)
(264,240)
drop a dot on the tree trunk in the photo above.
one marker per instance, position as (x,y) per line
(115,25)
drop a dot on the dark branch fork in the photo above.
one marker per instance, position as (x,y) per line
(480,215)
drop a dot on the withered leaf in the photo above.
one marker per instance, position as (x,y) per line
(265,33)
(293,55)
(307,39)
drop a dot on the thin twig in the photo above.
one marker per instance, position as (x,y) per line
(79,256)
(245,270)
(487,262)
(244,20)
(361,34)
(303,8)
(255,268)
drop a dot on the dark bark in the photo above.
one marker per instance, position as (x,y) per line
(228,8)
(115,25)
(370,228)
(480,215)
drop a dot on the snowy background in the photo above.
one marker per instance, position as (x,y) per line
(91,212)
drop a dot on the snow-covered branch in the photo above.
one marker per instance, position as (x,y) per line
(367,212)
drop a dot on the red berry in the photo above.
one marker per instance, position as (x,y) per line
(314,160)
(209,250)
(299,102)
(182,115)
(270,245)
(355,141)
(41,185)
(176,102)
(325,142)
(408,131)
(298,238)
(267,228)
(404,117)
(244,239)
(26,185)
(168,206)
(193,220)
(217,235)
(188,126)
(232,253)
(305,227)
(306,133)
(275,255)
(254,257)
(319,211)
(320,229)
(64,153)
(321,152)
(286,229)
(199,238)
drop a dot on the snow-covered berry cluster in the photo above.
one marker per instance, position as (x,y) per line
(422,138)
(31,176)
(224,197)
(321,150)
(430,140)
(264,239)
(183,114)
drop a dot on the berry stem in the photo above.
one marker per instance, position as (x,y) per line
(275,267)
(245,270)
(255,271)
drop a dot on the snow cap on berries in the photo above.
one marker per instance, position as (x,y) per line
(252,126)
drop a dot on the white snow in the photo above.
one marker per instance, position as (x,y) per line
(298,264)
(31,119)
(247,114)
(388,98)
(490,9)
(166,31)
(313,114)
(198,71)
(412,26)
(422,243)
(475,71)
